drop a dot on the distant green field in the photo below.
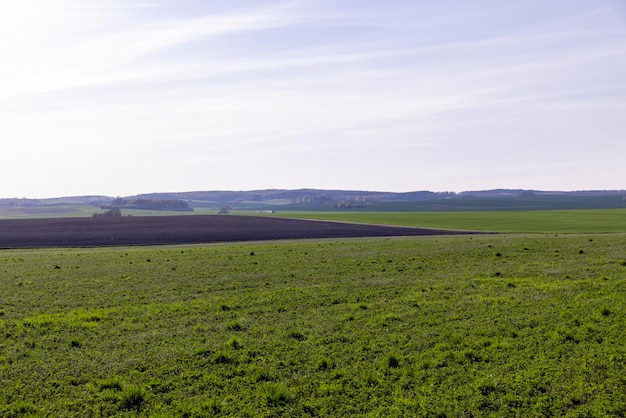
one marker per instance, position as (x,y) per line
(82,210)
(48,211)
(494,325)
(554,221)
(550,221)
(515,202)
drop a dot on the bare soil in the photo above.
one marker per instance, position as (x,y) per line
(95,232)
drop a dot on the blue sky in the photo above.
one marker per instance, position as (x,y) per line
(120,97)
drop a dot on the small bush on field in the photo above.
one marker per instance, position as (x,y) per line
(223,358)
(261,376)
(132,398)
(157,386)
(389,319)
(113,384)
(207,408)
(234,343)
(324,364)
(204,352)
(368,378)
(213,406)
(235,326)
(486,387)
(469,355)
(297,335)
(605,311)
(23,408)
(392,361)
(274,394)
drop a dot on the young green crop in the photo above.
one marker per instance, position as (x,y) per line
(548,221)
(494,325)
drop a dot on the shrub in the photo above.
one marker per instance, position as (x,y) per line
(222,358)
(391,361)
(235,326)
(275,394)
(323,364)
(261,376)
(24,408)
(113,384)
(213,406)
(132,398)
(234,343)
(111,213)
(297,335)
(204,352)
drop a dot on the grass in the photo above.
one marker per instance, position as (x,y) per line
(552,221)
(495,325)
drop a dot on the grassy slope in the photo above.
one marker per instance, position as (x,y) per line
(498,325)
(49,211)
(570,221)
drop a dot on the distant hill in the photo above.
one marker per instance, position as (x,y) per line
(175,205)
(299,195)
(329,200)
(319,199)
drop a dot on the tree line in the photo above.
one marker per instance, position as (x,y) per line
(151,204)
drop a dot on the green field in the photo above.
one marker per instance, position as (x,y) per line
(84,211)
(497,325)
(552,221)
(48,211)
(523,221)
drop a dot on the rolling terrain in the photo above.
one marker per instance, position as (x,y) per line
(313,200)
(417,322)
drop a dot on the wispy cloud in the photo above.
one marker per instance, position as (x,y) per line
(324,80)
(99,58)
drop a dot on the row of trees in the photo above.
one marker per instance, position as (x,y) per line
(111,213)
(345,204)
(152,204)
(19,202)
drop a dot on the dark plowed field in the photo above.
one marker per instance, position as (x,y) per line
(94,232)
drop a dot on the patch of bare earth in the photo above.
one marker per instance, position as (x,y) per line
(94,232)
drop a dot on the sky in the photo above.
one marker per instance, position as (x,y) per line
(120,97)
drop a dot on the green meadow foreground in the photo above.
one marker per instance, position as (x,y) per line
(493,325)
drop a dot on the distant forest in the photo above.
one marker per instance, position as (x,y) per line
(150,204)
(423,201)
